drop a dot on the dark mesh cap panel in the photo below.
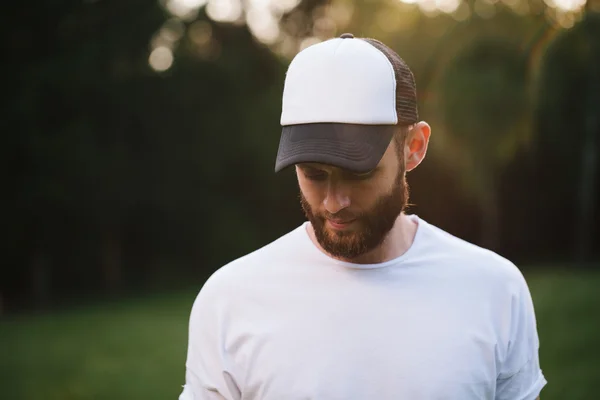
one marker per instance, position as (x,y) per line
(406,91)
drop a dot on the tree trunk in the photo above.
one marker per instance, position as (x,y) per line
(589,154)
(40,279)
(111,260)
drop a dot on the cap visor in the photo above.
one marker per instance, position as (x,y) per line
(354,147)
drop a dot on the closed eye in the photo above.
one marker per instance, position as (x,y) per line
(315,175)
(360,177)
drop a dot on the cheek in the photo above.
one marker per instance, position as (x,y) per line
(366,195)
(311,192)
(363,194)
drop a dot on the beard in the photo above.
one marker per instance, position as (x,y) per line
(371,226)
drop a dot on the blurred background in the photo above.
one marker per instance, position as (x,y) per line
(139,141)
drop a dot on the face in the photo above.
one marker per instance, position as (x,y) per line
(352,214)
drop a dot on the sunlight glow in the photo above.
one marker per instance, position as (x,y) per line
(161,59)
(433,7)
(283,6)
(522,8)
(448,6)
(184,9)
(341,13)
(428,6)
(462,13)
(309,41)
(200,32)
(484,9)
(566,20)
(324,27)
(172,30)
(566,5)
(224,10)
(263,25)
(263,20)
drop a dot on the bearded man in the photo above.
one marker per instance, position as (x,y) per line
(362,301)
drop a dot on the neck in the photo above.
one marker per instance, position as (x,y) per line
(396,243)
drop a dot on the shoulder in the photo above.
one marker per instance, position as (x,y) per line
(474,260)
(230,286)
(240,273)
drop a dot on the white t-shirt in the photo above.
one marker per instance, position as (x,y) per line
(446,320)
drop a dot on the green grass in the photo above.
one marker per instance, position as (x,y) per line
(568,315)
(135,349)
(128,350)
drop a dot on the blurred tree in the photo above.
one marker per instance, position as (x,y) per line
(77,140)
(123,175)
(145,140)
(569,127)
(485,109)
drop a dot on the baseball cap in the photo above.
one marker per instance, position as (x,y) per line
(343,100)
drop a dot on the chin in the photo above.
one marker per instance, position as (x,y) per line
(337,233)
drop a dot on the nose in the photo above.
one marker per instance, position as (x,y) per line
(337,197)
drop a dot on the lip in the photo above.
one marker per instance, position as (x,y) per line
(339,224)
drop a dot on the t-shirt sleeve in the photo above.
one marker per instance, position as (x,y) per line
(520,376)
(208,372)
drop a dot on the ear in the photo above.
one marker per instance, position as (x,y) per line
(416,144)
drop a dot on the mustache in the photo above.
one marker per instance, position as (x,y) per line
(342,215)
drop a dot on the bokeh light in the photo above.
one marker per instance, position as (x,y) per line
(434,7)
(309,41)
(283,6)
(484,9)
(224,10)
(429,7)
(172,30)
(448,6)
(521,8)
(200,33)
(161,59)
(263,16)
(184,9)
(566,5)
(263,25)
(341,13)
(324,27)
(462,13)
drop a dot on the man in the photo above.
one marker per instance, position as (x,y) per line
(362,301)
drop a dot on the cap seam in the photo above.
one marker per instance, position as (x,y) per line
(393,78)
(340,41)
